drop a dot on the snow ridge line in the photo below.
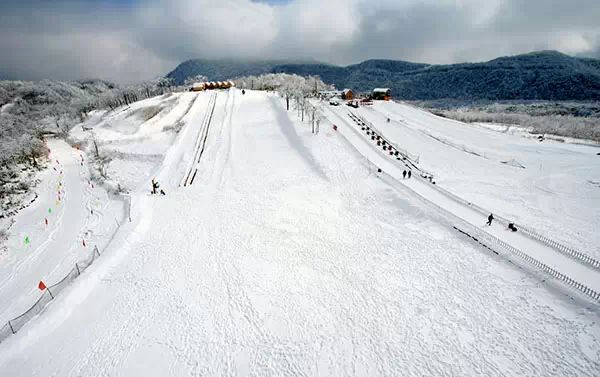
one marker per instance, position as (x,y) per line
(565,250)
(200,142)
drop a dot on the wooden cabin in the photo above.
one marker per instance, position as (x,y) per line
(197,87)
(218,85)
(347,95)
(384,94)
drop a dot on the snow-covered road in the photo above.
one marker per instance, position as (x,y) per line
(290,256)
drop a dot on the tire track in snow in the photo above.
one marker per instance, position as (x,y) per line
(200,142)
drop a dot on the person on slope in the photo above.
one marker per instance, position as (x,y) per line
(409,173)
(490,218)
(404,174)
(155,186)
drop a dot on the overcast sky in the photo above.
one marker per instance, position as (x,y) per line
(133,40)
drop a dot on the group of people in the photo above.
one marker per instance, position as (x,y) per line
(511,226)
(406,173)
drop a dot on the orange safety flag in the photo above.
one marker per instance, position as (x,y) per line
(41,285)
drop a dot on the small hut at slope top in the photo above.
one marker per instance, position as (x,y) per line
(384,94)
(197,87)
(347,94)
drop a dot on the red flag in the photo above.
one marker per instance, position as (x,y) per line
(41,285)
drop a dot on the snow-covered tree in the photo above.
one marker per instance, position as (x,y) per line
(289,86)
(198,78)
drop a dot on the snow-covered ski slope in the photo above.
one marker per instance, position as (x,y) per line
(136,138)
(550,186)
(72,213)
(570,269)
(289,255)
(46,239)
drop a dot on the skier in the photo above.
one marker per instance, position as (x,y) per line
(155,186)
(409,173)
(243,91)
(404,174)
(490,218)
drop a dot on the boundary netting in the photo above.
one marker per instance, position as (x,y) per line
(15,324)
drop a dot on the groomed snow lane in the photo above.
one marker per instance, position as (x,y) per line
(581,273)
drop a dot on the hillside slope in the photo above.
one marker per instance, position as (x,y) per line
(289,256)
(548,75)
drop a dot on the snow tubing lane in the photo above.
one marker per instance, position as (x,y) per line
(565,250)
(201,141)
(487,240)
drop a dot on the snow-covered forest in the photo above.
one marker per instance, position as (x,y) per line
(30,111)
(286,84)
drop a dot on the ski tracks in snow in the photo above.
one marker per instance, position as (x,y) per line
(66,200)
(266,268)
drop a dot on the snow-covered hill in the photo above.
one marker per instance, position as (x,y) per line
(549,185)
(289,254)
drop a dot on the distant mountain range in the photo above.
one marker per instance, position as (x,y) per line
(544,75)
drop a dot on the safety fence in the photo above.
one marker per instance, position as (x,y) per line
(15,324)
(377,136)
(569,252)
(410,163)
(491,242)
(50,292)
(486,240)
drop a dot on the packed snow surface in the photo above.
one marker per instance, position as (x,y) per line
(289,255)
(551,186)
(46,239)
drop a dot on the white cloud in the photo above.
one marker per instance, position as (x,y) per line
(67,39)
